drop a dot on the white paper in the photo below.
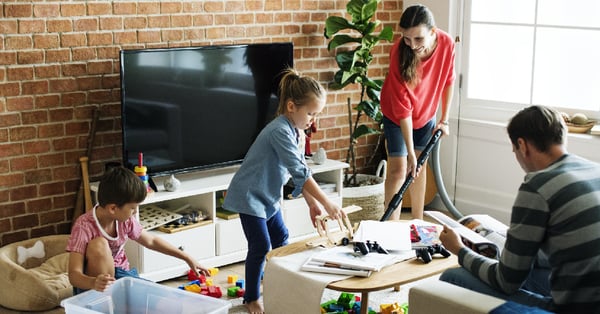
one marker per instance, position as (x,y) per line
(390,235)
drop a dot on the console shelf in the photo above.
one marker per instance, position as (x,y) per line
(220,241)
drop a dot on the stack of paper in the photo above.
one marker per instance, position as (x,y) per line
(390,235)
(343,260)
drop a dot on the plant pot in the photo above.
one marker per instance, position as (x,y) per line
(370,197)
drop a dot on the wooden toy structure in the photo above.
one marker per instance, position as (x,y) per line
(329,238)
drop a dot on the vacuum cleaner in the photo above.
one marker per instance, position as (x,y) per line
(429,148)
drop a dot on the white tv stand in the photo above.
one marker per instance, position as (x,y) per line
(220,242)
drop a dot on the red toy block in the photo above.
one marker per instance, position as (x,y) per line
(240,292)
(214,291)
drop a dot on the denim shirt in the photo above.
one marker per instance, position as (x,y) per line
(257,187)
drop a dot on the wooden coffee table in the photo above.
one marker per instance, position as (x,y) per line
(391,276)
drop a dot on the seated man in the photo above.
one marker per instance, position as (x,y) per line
(551,258)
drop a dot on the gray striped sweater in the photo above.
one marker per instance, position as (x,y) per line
(555,221)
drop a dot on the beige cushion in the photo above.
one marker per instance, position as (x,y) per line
(435,296)
(40,283)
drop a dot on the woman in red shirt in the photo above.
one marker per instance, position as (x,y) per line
(421,74)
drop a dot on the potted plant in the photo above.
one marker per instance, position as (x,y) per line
(354,46)
(354,40)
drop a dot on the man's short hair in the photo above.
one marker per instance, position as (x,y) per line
(539,125)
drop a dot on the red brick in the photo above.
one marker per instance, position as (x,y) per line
(34,117)
(60,25)
(18,134)
(19,104)
(18,10)
(213,6)
(18,42)
(46,10)
(111,52)
(51,130)
(61,114)
(126,37)
(36,147)
(51,160)
(46,71)
(90,83)
(148,8)
(20,73)
(51,217)
(63,85)
(111,23)
(46,230)
(8,58)
(124,8)
(12,237)
(73,40)
(73,99)
(145,36)
(58,55)
(35,87)
(23,163)
(25,221)
(95,9)
(84,54)
(85,25)
(47,101)
(8,27)
(136,22)
(30,57)
(73,9)
(9,119)
(74,69)
(31,26)
(45,41)
(158,21)
(100,39)
(9,89)
(170,7)
(181,21)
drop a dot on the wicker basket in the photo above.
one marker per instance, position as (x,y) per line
(370,197)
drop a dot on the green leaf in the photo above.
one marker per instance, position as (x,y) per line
(363,130)
(334,24)
(341,39)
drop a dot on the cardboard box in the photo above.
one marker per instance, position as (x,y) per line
(132,295)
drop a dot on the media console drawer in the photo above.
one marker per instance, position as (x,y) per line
(198,242)
(230,236)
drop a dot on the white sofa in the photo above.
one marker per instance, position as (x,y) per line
(435,296)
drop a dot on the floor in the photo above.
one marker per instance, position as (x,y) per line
(237,269)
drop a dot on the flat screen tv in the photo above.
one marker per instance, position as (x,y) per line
(196,108)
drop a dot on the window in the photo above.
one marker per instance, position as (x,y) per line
(525,52)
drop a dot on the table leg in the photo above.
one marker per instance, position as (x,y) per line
(364,303)
(397,288)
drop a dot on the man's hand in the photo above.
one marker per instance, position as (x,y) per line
(451,240)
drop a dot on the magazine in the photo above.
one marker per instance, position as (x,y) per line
(424,234)
(482,233)
(344,261)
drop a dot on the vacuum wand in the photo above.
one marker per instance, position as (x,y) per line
(397,198)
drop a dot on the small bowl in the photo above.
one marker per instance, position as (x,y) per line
(581,128)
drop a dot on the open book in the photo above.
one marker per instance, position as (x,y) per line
(482,233)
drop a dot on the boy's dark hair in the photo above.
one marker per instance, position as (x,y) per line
(541,126)
(120,186)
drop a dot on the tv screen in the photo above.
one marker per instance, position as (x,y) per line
(198,107)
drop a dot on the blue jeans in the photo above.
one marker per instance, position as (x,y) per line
(262,235)
(535,291)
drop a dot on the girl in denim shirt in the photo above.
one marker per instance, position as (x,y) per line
(256,189)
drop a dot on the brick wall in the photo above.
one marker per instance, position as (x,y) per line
(59,60)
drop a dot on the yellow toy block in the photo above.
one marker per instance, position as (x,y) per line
(213,271)
(391,309)
(232,278)
(209,282)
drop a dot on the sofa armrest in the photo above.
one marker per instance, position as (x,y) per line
(435,296)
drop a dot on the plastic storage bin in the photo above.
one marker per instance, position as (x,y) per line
(137,296)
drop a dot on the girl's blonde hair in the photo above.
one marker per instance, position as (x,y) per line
(299,89)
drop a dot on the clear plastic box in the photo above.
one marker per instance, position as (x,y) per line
(137,296)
